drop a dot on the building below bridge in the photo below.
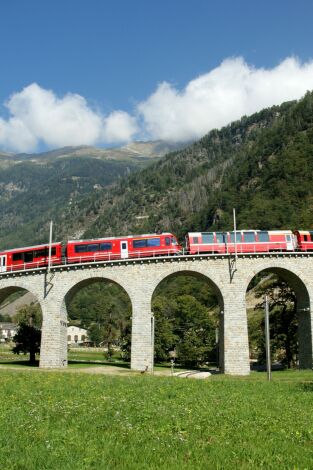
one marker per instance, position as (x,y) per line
(7,331)
(76,336)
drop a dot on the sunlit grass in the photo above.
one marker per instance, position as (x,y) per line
(68,421)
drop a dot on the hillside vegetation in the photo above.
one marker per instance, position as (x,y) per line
(35,188)
(262,165)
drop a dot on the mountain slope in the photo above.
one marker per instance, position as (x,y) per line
(262,165)
(35,188)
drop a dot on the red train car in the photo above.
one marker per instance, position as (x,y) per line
(304,240)
(247,241)
(30,257)
(78,251)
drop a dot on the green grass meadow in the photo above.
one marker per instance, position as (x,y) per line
(72,420)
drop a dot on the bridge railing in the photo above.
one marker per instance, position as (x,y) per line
(269,248)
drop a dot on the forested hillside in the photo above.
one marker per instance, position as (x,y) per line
(36,188)
(262,165)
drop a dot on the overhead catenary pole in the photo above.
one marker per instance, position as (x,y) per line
(267,340)
(50,247)
(217,347)
(235,235)
(152,342)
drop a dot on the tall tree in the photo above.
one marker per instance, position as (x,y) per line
(28,336)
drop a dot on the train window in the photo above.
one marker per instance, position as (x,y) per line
(232,237)
(28,256)
(17,257)
(140,243)
(174,241)
(167,241)
(105,246)
(93,247)
(220,237)
(305,238)
(263,237)
(311,234)
(154,242)
(208,238)
(41,253)
(81,248)
(44,252)
(196,240)
(248,237)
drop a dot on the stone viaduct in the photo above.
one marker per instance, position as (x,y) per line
(140,277)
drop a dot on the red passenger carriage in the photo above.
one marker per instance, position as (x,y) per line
(30,257)
(304,240)
(246,241)
(78,251)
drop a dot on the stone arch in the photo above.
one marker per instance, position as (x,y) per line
(10,289)
(191,272)
(205,277)
(304,299)
(6,292)
(79,284)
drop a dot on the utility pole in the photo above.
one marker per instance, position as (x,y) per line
(267,341)
(217,347)
(235,235)
(152,342)
(50,247)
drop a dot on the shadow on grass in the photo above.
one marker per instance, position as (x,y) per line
(307,387)
(123,365)
(20,363)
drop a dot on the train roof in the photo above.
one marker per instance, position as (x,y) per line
(121,237)
(35,247)
(198,234)
(304,232)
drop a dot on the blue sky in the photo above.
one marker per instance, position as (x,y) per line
(110,57)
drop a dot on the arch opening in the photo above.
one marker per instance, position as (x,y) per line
(20,326)
(187,308)
(289,309)
(98,312)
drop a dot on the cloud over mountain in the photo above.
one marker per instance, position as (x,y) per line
(220,96)
(37,116)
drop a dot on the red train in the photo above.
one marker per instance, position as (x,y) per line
(80,251)
(249,241)
(30,257)
(151,245)
(122,247)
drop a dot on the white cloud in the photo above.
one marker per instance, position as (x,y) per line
(39,116)
(119,126)
(212,100)
(220,96)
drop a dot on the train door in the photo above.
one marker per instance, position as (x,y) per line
(289,242)
(3,263)
(124,249)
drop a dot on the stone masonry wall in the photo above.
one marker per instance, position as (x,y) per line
(140,279)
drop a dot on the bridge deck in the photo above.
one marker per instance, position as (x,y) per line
(155,260)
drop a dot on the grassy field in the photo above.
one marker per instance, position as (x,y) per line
(58,420)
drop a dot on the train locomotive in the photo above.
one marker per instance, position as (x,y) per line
(157,244)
